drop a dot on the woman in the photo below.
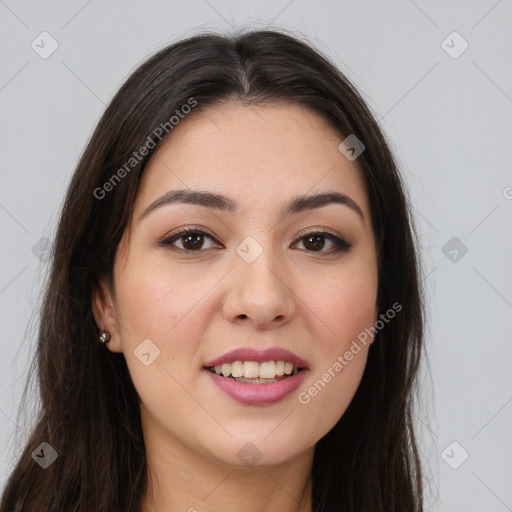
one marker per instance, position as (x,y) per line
(233,319)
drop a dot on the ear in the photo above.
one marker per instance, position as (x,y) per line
(105,314)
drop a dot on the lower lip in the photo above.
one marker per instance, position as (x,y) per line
(258,394)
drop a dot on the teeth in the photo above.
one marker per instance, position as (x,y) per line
(267,370)
(255,370)
(226,370)
(237,369)
(251,369)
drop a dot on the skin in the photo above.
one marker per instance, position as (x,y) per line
(197,305)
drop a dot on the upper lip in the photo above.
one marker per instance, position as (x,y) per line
(261,356)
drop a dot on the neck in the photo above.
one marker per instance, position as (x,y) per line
(181,478)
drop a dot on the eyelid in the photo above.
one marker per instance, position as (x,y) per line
(317,231)
(187,229)
(168,239)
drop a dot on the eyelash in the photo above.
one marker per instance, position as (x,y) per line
(341,245)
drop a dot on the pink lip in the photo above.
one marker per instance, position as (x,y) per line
(261,356)
(258,394)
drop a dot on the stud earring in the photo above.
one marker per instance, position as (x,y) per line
(105,337)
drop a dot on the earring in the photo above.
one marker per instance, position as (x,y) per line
(105,337)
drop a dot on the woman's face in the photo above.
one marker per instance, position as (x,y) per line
(253,272)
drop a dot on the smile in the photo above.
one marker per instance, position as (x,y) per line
(257,377)
(252,372)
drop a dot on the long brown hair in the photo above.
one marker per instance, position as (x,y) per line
(89,409)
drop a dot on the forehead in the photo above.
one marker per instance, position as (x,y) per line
(259,155)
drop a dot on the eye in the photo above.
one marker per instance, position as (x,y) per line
(196,240)
(317,241)
(189,239)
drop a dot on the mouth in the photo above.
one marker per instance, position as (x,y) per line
(254,372)
(257,377)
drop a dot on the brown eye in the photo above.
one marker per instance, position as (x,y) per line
(192,242)
(189,240)
(314,242)
(323,242)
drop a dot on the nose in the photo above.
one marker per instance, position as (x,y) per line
(259,293)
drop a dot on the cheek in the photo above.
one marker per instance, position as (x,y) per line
(161,301)
(170,307)
(345,302)
(328,392)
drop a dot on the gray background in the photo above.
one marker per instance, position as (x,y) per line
(448,120)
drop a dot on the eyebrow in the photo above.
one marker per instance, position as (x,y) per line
(223,203)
